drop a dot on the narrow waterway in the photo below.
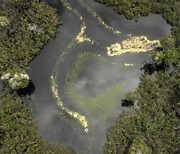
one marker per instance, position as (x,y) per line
(78,87)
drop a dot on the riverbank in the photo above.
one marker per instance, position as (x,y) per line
(55,123)
(25,27)
(153,126)
(58,57)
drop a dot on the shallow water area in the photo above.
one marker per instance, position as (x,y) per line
(77,79)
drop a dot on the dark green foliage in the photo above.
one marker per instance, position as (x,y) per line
(30,25)
(132,9)
(18,133)
(153,125)
(155,118)
(168,55)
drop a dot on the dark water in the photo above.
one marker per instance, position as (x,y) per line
(54,124)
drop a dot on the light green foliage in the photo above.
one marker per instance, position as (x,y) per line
(4,21)
(16,78)
(101,105)
(139,146)
(169,54)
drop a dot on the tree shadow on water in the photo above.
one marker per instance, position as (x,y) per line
(55,4)
(28,90)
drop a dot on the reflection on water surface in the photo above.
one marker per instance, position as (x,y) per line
(87,83)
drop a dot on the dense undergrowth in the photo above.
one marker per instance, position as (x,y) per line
(31,25)
(153,126)
(18,130)
(25,27)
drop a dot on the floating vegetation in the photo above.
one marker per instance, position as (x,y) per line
(76,115)
(135,44)
(128,64)
(54,87)
(81,37)
(100,20)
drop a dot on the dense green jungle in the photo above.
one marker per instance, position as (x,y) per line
(153,127)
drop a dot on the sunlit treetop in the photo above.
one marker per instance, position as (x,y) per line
(4,21)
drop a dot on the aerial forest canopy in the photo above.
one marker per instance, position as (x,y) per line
(153,125)
(150,125)
(25,27)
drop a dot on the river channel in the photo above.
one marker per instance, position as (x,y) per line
(78,87)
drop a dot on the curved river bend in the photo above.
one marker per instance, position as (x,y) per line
(78,87)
